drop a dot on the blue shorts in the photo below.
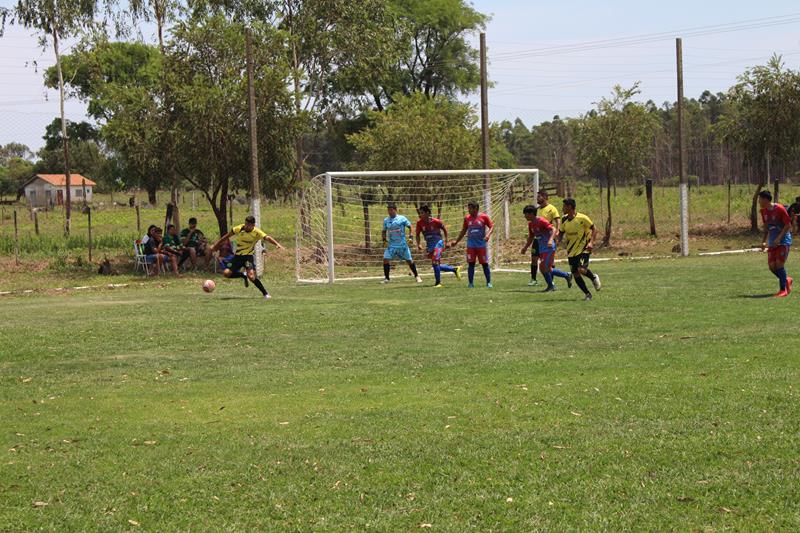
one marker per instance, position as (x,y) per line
(397,252)
(151,258)
(435,251)
(547,256)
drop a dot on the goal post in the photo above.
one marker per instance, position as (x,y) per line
(340,216)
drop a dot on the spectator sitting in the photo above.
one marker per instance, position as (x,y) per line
(173,248)
(152,249)
(195,244)
(226,249)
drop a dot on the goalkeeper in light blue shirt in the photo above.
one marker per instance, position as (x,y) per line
(396,242)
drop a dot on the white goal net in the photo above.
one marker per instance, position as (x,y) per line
(340,218)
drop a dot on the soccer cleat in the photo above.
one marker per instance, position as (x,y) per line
(782,294)
(596,282)
(552,288)
(419,279)
(471,286)
(438,286)
(489,285)
(588,297)
(789,285)
(458,272)
(569,281)
(533,283)
(385,281)
(267,296)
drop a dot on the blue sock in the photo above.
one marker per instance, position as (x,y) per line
(487,273)
(560,273)
(471,273)
(446,268)
(548,277)
(781,273)
(436,273)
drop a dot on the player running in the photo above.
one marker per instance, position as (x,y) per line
(549,212)
(394,238)
(777,239)
(542,235)
(432,228)
(478,227)
(248,235)
(579,233)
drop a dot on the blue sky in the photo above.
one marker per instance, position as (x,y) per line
(533,87)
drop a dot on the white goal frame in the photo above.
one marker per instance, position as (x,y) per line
(329,211)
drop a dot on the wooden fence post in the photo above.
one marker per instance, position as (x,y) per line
(649,189)
(729,201)
(89,214)
(16,240)
(138,220)
(776,189)
(36,222)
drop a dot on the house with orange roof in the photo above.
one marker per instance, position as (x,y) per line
(48,190)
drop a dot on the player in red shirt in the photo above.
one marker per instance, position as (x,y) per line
(432,229)
(777,239)
(478,227)
(542,234)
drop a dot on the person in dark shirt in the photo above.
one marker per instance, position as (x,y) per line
(152,249)
(794,212)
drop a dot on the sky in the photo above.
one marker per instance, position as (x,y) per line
(533,78)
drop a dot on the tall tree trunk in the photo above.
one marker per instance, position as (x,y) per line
(151,194)
(222,211)
(64,139)
(612,183)
(754,209)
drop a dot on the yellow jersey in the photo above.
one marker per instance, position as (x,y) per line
(548,212)
(576,233)
(246,242)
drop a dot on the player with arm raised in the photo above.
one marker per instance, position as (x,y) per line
(478,227)
(777,239)
(248,235)
(394,238)
(578,233)
(432,229)
(542,234)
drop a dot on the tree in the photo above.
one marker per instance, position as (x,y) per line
(16,171)
(12,150)
(616,139)
(54,20)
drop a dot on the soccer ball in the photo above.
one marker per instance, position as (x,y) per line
(209,285)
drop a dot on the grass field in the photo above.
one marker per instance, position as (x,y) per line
(668,403)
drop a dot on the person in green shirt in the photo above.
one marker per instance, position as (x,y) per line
(171,247)
(194,243)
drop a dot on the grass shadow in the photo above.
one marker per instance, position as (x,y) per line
(754,296)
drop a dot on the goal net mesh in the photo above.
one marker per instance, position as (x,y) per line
(357,202)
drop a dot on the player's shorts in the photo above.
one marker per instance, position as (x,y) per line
(778,254)
(548,256)
(238,262)
(477,255)
(578,261)
(397,252)
(225,261)
(435,252)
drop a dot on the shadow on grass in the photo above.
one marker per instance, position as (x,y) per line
(754,296)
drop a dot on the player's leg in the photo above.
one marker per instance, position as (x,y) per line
(534,262)
(387,265)
(235,268)
(435,255)
(575,268)
(406,252)
(487,273)
(777,259)
(471,258)
(251,275)
(545,259)
(557,273)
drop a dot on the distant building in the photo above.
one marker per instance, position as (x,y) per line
(45,190)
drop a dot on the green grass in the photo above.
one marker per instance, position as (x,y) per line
(668,403)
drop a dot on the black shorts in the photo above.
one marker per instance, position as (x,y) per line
(578,261)
(241,261)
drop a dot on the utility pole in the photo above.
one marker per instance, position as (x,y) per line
(255,189)
(487,197)
(683,187)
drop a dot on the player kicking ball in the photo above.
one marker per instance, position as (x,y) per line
(478,227)
(432,228)
(247,236)
(542,234)
(777,239)
(578,233)
(394,238)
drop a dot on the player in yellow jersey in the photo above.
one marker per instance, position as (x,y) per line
(247,236)
(578,234)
